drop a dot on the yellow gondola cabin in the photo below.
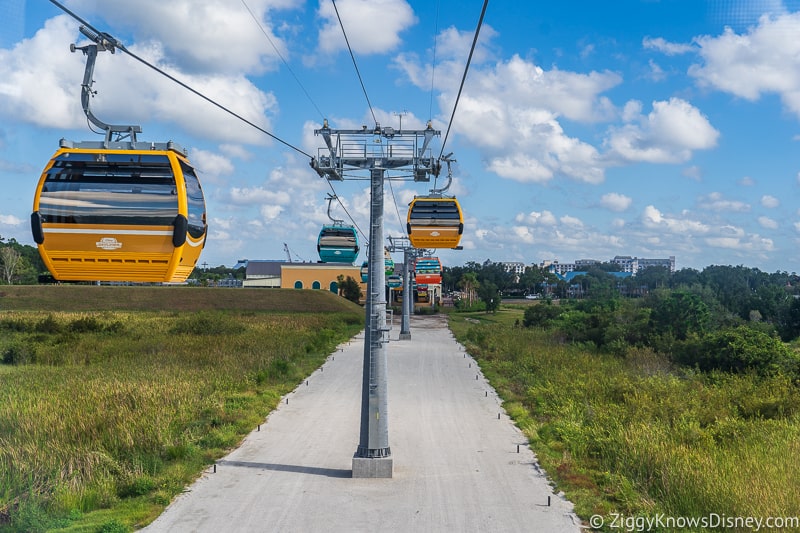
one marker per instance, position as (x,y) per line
(122,214)
(434,222)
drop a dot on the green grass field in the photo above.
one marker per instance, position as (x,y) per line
(73,298)
(113,399)
(637,436)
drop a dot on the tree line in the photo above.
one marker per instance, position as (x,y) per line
(19,263)
(728,318)
(747,293)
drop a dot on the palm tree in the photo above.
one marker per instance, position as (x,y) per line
(469,284)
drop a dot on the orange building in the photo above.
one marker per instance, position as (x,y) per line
(286,275)
(318,275)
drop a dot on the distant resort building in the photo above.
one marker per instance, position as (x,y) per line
(635,264)
(626,263)
(558,268)
(515,267)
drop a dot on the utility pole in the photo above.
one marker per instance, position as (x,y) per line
(401,115)
(377,150)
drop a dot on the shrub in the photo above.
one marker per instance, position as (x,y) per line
(737,350)
(49,324)
(137,486)
(113,526)
(541,315)
(91,324)
(207,324)
(19,353)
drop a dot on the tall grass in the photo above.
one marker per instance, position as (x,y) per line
(637,436)
(101,410)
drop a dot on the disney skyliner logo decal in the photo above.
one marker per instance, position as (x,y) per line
(109,243)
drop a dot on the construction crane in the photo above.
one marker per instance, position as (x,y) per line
(289,254)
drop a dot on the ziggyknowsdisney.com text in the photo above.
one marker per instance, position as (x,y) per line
(712,520)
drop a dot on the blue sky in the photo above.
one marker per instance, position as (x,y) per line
(586,129)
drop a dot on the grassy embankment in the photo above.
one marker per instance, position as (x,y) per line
(113,399)
(636,435)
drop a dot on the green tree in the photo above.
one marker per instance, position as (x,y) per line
(469,285)
(653,277)
(350,289)
(11,261)
(451,277)
(497,275)
(531,280)
(678,314)
(684,278)
(789,321)
(597,284)
(490,296)
(19,263)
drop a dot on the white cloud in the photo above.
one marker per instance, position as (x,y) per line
(209,163)
(715,202)
(201,36)
(520,167)
(258,195)
(693,172)
(40,78)
(513,109)
(270,212)
(615,201)
(524,234)
(544,218)
(571,221)
(9,220)
(652,218)
(665,47)
(762,60)
(668,134)
(372,26)
(236,151)
(41,85)
(452,45)
(770,201)
(767,222)
(750,244)
(525,144)
(567,234)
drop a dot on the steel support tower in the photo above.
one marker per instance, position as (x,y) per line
(403,244)
(377,151)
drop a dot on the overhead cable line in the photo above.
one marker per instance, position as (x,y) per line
(286,63)
(311,100)
(433,63)
(464,77)
(365,237)
(116,43)
(364,89)
(397,209)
